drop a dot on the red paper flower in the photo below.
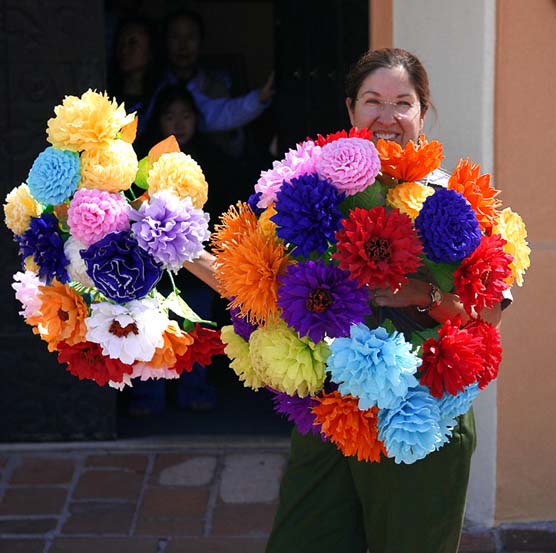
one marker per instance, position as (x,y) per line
(206,344)
(85,360)
(491,350)
(378,248)
(354,432)
(354,132)
(481,278)
(453,361)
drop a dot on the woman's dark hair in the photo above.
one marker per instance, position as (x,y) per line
(389,58)
(153,72)
(183,14)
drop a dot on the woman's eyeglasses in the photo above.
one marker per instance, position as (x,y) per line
(399,108)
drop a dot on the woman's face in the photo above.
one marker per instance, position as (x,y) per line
(180,120)
(183,43)
(133,50)
(387,104)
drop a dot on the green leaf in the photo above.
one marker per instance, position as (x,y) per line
(142,173)
(418,337)
(443,273)
(177,305)
(370,197)
(388,325)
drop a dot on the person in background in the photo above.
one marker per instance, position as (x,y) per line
(175,113)
(218,112)
(337,504)
(132,74)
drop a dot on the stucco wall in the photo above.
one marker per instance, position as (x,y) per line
(525,165)
(455,41)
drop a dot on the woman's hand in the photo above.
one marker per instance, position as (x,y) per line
(417,293)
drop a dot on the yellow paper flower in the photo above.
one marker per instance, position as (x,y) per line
(30,265)
(180,174)
(286,362)
(409,197)
(20,206)
(237,349)
(112,167)
(512,228)
(91,121)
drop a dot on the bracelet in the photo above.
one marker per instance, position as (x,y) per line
(435,299)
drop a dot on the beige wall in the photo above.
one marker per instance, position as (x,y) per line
(525,169)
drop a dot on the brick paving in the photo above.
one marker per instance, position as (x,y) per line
(201,495)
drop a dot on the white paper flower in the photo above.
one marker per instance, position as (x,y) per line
(26,288)
(129,332)
(126,381)
(77,270)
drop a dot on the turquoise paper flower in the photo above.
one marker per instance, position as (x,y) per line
(54,176)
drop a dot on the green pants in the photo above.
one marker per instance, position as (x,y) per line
(334,504)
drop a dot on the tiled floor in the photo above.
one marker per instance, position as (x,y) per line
(200,495)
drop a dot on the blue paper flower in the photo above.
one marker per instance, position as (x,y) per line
(410,430)
(307,214)
(252,201)
(43,241)
(318,299)
(120,269)
(54,176)
(373,365)
(448,227)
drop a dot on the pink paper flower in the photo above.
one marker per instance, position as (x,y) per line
(351,164)
(93,214)
(144,371)
(296,163)
(26,286)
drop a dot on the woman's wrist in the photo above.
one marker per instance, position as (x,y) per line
(433,299)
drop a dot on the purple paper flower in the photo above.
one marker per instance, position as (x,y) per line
(43,241)
(297,410)
(171,230)
(307,214)
(448,227)
(242,327)
(253,202)
(120,269)
(318,299)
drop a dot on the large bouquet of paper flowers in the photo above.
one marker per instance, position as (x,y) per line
(328,224)
(93,254)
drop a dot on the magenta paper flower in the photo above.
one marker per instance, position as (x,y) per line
(93,214)
(296,163)
(351,164)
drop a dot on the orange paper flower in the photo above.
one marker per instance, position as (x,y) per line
(411,163)
(176,342)
(477,191)
(61,317)
(249,260)
(353,431)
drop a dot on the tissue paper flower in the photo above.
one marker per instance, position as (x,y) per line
(179,173)
(286,362)
(77,269)
(112,167)
(93,214)
(352,430)
(26,286)
(408,197)
(372,365)
(20,206)
(54,176)
(319,299)
(297,410)
(378,248)
(307,214)
(350,164)
(237,349)
(91,121)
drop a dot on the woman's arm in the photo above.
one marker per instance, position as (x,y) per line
(417,293)
(204,269)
